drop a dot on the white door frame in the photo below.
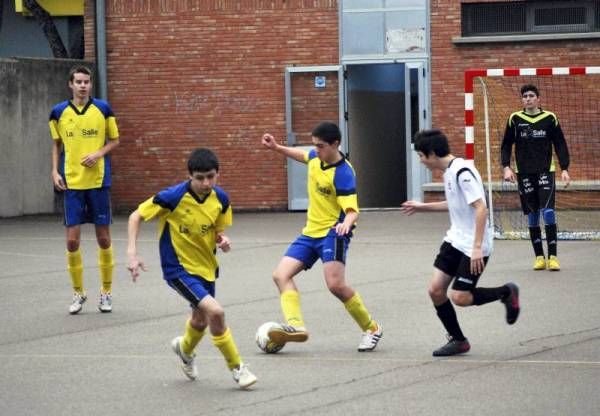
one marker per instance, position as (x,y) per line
(296,172)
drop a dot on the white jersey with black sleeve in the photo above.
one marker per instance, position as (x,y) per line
(463,186)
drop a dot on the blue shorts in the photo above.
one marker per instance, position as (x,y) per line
(192,288)
(332,247)
(87,205)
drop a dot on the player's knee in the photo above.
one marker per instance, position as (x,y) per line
(104,242)
(436,293)
(280,278)
(216,315)
(549,216)
(72,244)
(533,219)
(461,298)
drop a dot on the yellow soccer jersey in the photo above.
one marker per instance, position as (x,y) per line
(83,131)
(331,192)
(187,229)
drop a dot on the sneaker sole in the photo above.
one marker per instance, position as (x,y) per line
(452,354)
(245,386)
(282,337)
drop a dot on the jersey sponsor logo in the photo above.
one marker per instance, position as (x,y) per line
(89,132)
(323,190)
(202,229)
(464,280)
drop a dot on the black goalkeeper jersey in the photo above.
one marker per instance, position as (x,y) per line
(533,137)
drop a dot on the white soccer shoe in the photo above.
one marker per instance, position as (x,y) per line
(187,362)
(243,376)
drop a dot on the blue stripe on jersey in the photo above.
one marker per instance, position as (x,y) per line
(312,154)
(223,198)
(169,198)
(104,107)
(344,181)
(169,261)
(58,109)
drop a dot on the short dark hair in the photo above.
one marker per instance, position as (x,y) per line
(202,160)
(328,132)
(432,141)
(530,87)
(79,69)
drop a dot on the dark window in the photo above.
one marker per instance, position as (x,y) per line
(518,17)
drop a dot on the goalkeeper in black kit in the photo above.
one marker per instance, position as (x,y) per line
(534,133)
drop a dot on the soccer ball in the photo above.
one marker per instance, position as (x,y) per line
(262,338)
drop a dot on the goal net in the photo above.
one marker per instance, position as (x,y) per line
(573,94)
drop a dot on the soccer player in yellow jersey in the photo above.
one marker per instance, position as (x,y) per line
(192,217)
(84,132)
(331,218)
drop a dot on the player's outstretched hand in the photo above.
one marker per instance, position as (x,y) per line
(410,207)
(268,141)
(135,264)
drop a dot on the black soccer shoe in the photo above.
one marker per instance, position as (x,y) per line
(453,347)
(511,302)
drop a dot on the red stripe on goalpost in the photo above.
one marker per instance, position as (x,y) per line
(577,70)
(510,72)
(543,71)
(469,118)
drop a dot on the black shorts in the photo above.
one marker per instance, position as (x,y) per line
(455,263)
(536,191)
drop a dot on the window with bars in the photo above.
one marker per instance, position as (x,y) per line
(531,17)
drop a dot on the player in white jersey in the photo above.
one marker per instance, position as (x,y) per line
(467,244)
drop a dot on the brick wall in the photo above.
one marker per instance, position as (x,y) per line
(190,73)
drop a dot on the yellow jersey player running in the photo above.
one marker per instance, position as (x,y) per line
(192,217)
(80,167)
(331,218)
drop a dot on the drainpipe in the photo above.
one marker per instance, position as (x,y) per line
(101,49)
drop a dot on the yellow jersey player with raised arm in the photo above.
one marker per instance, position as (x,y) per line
(331,218)
(84,131)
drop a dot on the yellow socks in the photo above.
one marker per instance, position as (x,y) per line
(226,345)
(359,313)
(190,339)
(75,268)
(106,265)
(290,306)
